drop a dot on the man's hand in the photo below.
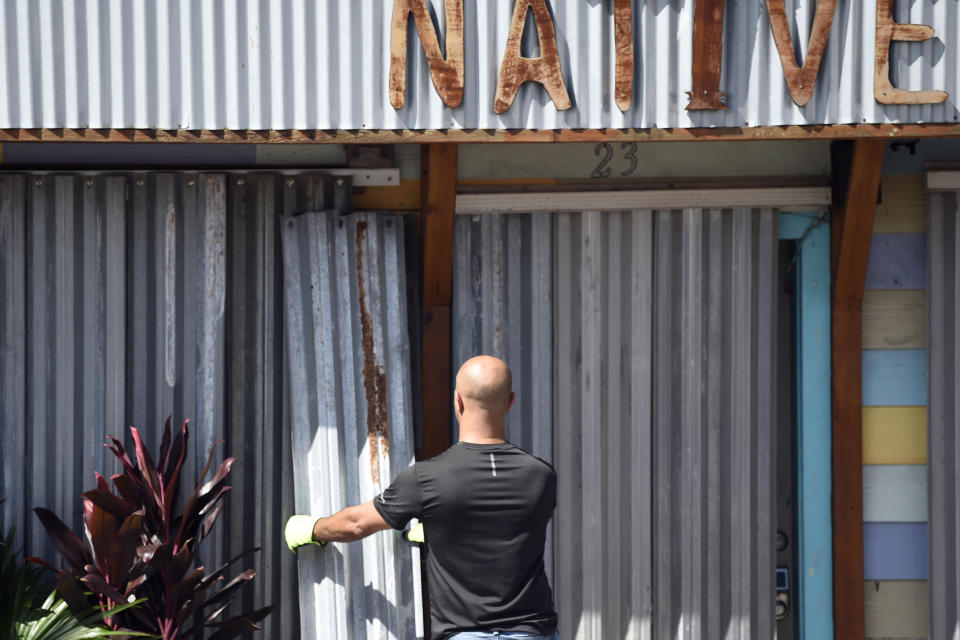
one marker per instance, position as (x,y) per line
(299,531)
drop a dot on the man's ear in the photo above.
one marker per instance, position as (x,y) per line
(510,401)
(458,403)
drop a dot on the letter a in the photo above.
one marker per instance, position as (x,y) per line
(515,69)
(447,73)
(801,80)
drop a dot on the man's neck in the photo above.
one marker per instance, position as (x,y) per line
(481,439)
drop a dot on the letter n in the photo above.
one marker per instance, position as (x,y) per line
(447,73)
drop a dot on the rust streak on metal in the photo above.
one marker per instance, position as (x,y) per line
(515,69)
(374,378)
(623,37)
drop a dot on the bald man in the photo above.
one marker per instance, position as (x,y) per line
(484,505)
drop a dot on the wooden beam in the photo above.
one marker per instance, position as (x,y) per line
(431,136)
(854,222)
(439,191)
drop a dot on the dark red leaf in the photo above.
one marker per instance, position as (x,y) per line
(124,551)
(208,522)
(234,628)
(72,592)
(101,482)
(121,453)
(118,507)
(178,565)
(164,446)
(100,586)
(101,529)
(183,590)
(219,476)
(229,588)
(147,469)
(209,579)
(41,562)
(126,487)
(64,540)
(179,453)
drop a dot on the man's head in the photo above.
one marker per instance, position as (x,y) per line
(483,384)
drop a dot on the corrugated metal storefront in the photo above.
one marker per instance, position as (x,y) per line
(352,416)
(323,64)
(660,402)
(132,297)
(944,414)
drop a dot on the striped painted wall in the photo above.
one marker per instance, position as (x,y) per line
(895,414)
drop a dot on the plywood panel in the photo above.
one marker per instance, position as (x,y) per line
(895,319)
(903,204)
(897,261)
(894,435)
(896,608)
(895,493)
(895,551)
(894,377)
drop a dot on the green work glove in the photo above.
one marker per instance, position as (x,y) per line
(299,531)
(415,534)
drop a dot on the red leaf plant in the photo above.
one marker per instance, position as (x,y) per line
(138,547)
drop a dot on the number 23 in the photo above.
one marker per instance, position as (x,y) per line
(606,150)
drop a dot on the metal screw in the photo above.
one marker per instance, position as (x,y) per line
(339,182)
(289,182)
(190,182)
(139,182)
(89,182)
(240,181)
(38,183)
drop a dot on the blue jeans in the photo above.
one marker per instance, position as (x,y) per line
(500,635)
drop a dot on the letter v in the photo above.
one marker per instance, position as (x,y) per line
(447,73)
(801,80)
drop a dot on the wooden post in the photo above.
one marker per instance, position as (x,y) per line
(853,219)
(439,191)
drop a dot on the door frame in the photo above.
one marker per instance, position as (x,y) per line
(811,230)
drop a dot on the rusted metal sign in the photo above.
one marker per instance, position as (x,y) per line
(448,72)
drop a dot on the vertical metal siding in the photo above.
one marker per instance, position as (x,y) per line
(132,297)
(352,415)
(943,443)
(502,306)
(664,415)
(323,64)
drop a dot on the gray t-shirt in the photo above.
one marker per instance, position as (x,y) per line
(484,509)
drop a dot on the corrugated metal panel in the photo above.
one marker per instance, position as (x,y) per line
(137,296)
(502,306)
(352,415)
(943,443)
(323,64)
(664,408)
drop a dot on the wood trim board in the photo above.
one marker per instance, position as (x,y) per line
(895,551)
(897,261)
(894,435)
(895,493)
(896,608)
(886,131)
(895,319)
(894,377)
(804,198)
